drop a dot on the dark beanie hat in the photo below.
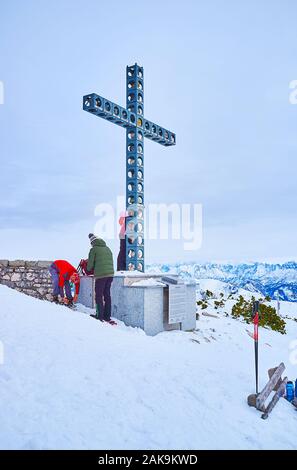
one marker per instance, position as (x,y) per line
(92,238)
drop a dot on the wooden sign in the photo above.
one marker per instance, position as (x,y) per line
(275,379)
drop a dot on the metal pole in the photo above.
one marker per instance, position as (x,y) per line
(256,340)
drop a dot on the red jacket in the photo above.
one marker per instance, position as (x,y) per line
(122,222)
(65,271)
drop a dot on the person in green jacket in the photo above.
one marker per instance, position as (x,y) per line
(101,262)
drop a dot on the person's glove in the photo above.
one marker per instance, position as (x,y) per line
(75,298)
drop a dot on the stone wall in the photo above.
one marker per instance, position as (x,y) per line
(30,277)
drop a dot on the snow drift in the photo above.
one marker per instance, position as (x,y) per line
(70,382)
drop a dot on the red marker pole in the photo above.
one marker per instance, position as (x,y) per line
(256,341)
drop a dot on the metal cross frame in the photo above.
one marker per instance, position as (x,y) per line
(137,127)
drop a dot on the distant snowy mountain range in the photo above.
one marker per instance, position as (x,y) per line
(279,281)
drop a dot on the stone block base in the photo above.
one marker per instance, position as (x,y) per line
(142,301)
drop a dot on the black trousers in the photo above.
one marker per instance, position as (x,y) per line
(103,298)
(121,261)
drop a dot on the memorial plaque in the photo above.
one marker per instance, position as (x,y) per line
(177,303)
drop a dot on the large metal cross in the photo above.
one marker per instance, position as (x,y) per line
(137,127)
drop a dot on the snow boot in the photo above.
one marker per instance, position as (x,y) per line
(111,322)
(96,315)
(70,305)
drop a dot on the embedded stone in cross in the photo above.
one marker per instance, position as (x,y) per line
(137,127)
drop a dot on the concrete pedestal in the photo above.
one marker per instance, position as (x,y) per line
(143,301)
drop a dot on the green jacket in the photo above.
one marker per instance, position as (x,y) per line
(100,259)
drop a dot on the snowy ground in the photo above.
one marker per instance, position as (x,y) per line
(70,382)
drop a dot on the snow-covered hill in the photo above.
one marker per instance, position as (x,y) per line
(69,382)
(279,281)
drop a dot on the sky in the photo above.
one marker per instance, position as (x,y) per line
(216,73)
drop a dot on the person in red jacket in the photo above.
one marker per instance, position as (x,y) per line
(121,260)
(62,274)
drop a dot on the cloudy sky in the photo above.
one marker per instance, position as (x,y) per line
(217,73)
